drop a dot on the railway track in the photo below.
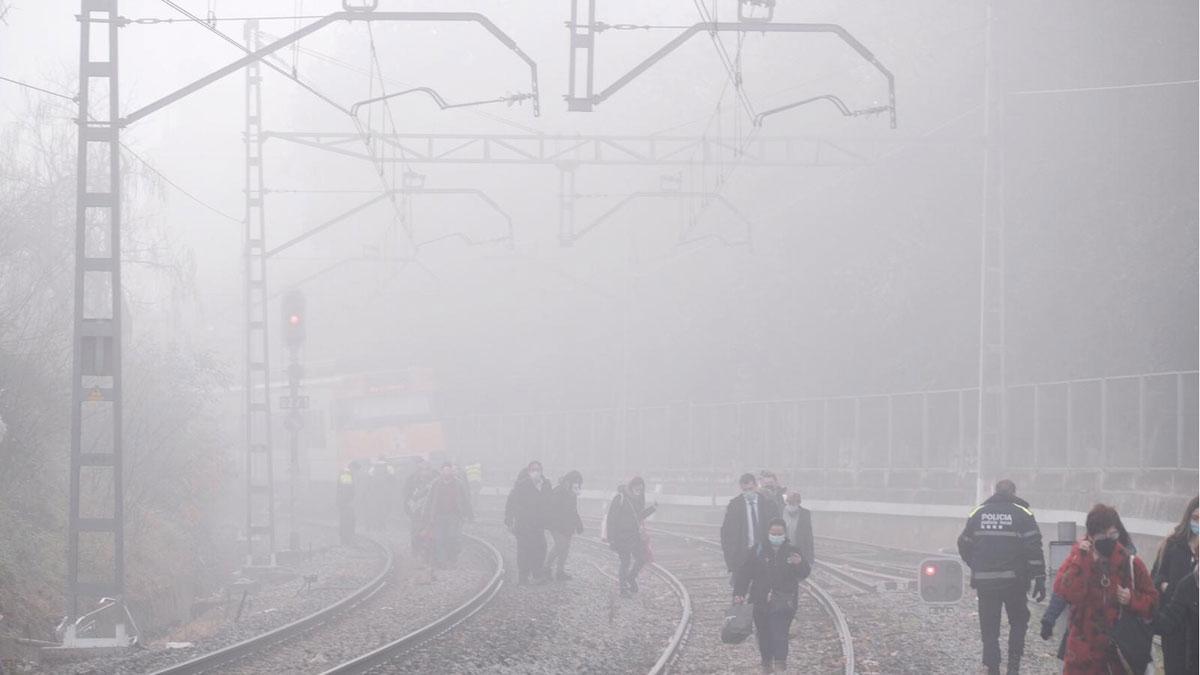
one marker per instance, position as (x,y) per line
(708,586)
(671,652)
(862,566)
(290,648)
(579,625)
(381,656)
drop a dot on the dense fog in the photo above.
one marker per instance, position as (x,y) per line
(668,285)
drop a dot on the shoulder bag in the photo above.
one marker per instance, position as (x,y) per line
(1133,638)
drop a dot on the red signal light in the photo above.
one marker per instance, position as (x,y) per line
(294,319)
(940,581)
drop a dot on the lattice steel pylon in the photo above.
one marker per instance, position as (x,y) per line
(96,520)
(260,478)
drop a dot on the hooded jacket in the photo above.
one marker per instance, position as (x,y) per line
(1002,544)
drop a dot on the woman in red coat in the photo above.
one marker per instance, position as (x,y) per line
(1095,580)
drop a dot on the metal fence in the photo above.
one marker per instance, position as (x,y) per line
(1146,420)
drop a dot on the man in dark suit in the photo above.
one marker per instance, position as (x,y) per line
(799,527)
(744,530)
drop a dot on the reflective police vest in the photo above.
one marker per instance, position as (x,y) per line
(1002,543)
(474,473)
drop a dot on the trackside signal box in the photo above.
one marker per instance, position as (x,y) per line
(940,581)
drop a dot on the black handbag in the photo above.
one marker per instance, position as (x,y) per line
(739,623)
(1132,637)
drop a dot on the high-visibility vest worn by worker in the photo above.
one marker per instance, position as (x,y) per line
(1002,543)
(345,489)
(474,473)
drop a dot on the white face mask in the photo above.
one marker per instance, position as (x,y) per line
(535,476)
(793,510)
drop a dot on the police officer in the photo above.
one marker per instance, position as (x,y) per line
(345,506)
(474,481)
(1003,547)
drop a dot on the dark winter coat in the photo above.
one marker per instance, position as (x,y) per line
(623,523)
(1094,606)
(769,581)
(1181,615)
(800,533)
(414,490)
(527,505)
(734,539)
(563,517)
(1174,562)
(449,498)
(1002,544)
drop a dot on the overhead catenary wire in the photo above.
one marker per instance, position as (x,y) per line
(381,162)
(151,21)
(213,29)
(1111,87)
(177,186)
(730,68)
(39,89)
(162,176)
(334,61)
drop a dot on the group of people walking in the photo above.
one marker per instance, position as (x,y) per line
(1101,581)
(767,540)
(437,502)
(535,507)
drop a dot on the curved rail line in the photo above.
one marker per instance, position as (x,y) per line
(671,652)
(863,575)
(823,598)
(215,659)
(446,622)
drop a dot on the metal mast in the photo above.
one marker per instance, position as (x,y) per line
(260,480)
(990,442)
(96,527)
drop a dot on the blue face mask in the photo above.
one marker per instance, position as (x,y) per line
(777,539)
(1195,527)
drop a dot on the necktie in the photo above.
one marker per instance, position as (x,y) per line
(754,522)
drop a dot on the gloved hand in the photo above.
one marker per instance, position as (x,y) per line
(1047,630)
(1039,589)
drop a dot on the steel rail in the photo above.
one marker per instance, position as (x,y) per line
(823,598)
(832,608)
(671,652)
(226,655)
(446,622)
(846,577)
